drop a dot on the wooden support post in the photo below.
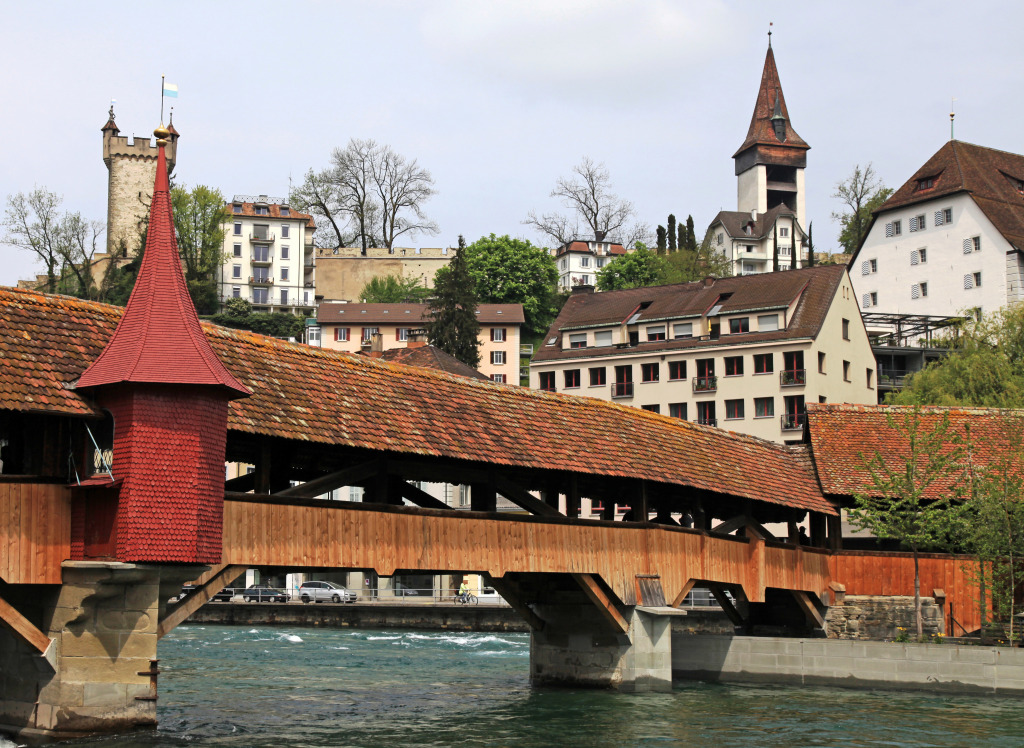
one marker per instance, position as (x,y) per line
(804,602)
(641,509)
(23,628)
(835,532)
(701,521)
(792,533)
(683,593)
(262,472)
(510,593)
(332,481)
(418,496)
(817,521)
(197,598)
(572,497)
(605,605)
(483,497)
(727,607)
(523,498)
(608,510)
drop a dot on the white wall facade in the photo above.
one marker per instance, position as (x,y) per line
(751,255)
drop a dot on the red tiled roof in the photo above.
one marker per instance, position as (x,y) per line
(274,211)
(159,340)
(584,248)
(330,313)
(431,357)
(328,397)
(843,437)
(761,131)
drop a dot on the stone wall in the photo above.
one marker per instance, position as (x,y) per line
(877,617)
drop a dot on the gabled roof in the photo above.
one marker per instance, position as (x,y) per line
(321,396)
(770,100)
(248,210)
(431,357)
(815,287)
(330,313)
(581,247)
(734,222)
(159,340)
(843,437)
(991,177)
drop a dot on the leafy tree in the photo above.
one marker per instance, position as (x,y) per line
(671,231)
(901,504)
(634,270)
(702,262)
(239,315)
(391,289)
(512,271)
(861,193)
(200,221)
(595,209)
(453,326)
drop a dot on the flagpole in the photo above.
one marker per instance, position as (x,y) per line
(162,100)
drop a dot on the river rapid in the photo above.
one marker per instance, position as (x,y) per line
(298,687)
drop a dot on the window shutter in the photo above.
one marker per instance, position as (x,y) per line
(865,267)
(492,334)
(913,223)
(968,281)
(967,247)
(888,229)
(938,218)
(915,291)
(337,334)
(398,333)
(866,300)
(914,257)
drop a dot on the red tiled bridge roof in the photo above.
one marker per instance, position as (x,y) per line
(329,397)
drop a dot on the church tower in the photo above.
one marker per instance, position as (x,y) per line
(131,171)
(770,163)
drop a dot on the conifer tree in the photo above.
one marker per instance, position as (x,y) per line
(661,240)
(683,241)
(691,238)
(775,249)
(810,244)
(671,233)
(453,325)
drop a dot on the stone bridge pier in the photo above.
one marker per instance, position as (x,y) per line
(99,673)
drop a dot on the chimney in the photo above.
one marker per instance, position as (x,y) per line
(582,288)
(709,281)
(376,345)
(599,236)
(753,215)
(417,339)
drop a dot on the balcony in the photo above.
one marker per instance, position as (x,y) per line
(793,377)
(793,421)
(308,262)
(261,258)
(262,237)
(892,378)
(706,421)
(526,350)
(705,384)
(622,390)
(260,280)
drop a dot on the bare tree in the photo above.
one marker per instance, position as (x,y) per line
(352,174)
(861,192)
(595,208)
(402,186)
(80,240)
(319,196)
(33,222)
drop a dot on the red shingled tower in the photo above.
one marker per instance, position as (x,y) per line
(168,394)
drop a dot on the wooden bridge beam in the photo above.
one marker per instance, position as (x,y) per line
(605,604)
(23,628)
(510,592)
(198,597)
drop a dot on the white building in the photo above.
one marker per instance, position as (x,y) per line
(950,240)
(770,192)
(579,261)
(745,353)
(269,256)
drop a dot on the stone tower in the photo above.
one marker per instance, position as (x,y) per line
(770,163)
(131,169)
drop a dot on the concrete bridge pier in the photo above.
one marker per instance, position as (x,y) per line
(576,647)
(99,674)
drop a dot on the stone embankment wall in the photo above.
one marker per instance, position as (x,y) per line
(877,617)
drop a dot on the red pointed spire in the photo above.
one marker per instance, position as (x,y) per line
(159,339)
(770,103)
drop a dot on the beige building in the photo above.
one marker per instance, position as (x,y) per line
(580,261)
(744,354)
(351,327)
(343,272)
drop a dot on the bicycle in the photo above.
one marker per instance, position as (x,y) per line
(468,599)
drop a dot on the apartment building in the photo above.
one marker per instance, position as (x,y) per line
(950,240)
(269,257)
(349,327)
(744,353)
(579,261)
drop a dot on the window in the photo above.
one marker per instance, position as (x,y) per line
(897,228)
(793,372)
(498,334)
(578,340)
(649,372)
(402,333)
(563,264)
(284,230)
(236,208)
(676,370)
(925,184)
(682,330)
(656,333)
(236,271)
(547,381)
(846,329)
(260,295)
(369,332)
(238,228)
(623,386)
(313,335)
(237,250)
(871,299)
(600,262)
(919,256)
(284,251)
(767,322)
(919,291)
(943,216)
(871,377)
(284,297)
(583,280)
(603,338)
(498,378)
(597,377)
(284,273)
(739,324)
(719,238)
(262,210)
(572,378)
(764,363)
(734,366)
(261,254)
(341,334)
(584,262)
(784,250)
(260,275)
(917,223)
(651,408)
(972,280)
(764,407)
(706,413)
(236,292)
(783,232)
(821,362)
(846,371)
(677,410)
(733,409)
(285,213)
(498,359)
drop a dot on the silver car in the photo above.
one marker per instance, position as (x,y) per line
(322,592)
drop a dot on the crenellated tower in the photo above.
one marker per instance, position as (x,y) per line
(131,169)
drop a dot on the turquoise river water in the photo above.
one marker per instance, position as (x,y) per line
(298,687)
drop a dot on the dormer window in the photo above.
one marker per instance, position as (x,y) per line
(925,183)
(262,210)
(236,208)
(285,212)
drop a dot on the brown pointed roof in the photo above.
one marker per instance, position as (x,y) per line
(159,340)
(770,98)
(111,125)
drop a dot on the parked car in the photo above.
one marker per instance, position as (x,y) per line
(223,596)
(402,591)
(321,592)
(264,593)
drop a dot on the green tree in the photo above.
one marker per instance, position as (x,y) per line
(702,262)
(691,237)
(453,326)
(504,270)
(634,270)
(861,192)
(662,240)
(392,289)
(671,231)
(914,490)
(775,248)
(810,244)
(239,315)
(200,222)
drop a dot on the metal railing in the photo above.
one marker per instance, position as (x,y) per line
(622,389)
(706,421)
(526,350)
(262,237)
(261,281)
(792,377)
(262,258)
(705,384)
(892,377)
(793,421)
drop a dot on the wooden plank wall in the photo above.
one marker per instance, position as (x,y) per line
(336,536)
(35,532)
(877,573)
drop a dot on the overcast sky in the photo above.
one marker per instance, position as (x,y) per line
(498,99)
